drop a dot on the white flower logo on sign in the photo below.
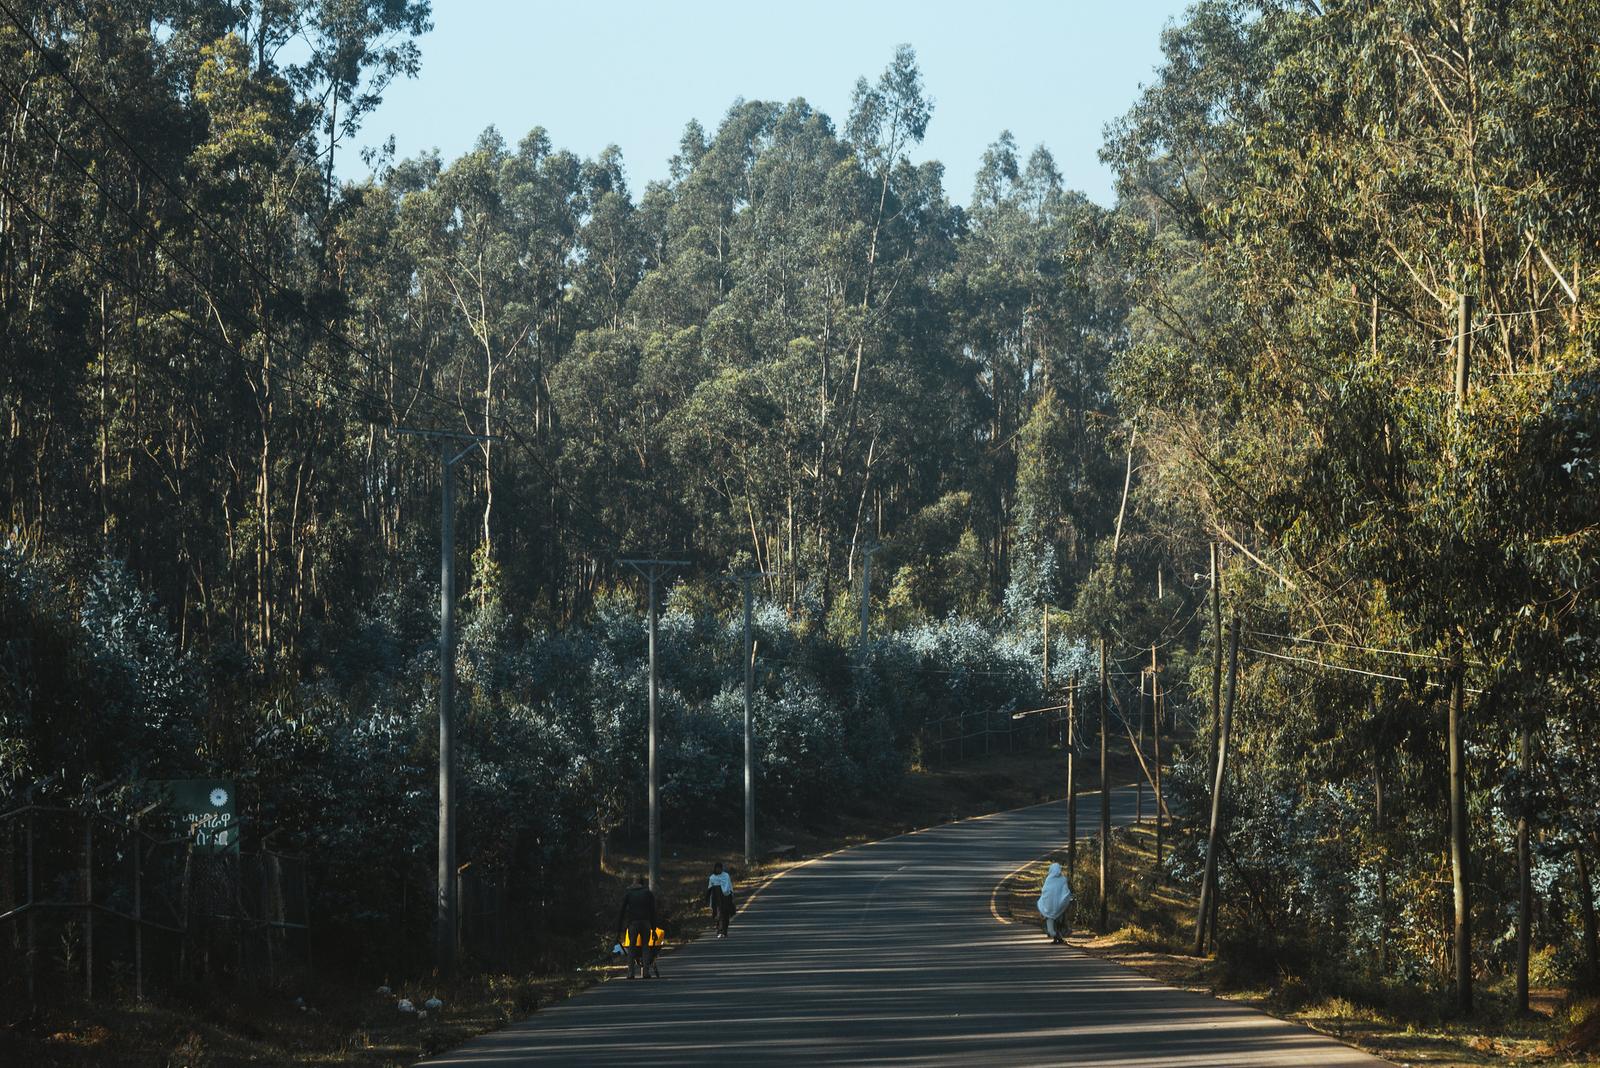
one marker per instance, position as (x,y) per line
(219,797)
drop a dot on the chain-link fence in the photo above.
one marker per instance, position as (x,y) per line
(93,903)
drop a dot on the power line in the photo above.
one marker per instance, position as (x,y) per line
(1348,670)
(1025,671)
(1165,642)
(1361,648)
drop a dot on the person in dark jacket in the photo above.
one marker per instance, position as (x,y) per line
(636,924)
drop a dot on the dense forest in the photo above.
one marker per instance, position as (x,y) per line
(1339,327)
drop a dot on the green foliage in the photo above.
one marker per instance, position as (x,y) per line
(1305,191)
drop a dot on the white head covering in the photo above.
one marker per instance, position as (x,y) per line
(1056,895)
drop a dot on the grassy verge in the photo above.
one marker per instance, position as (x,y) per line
(327,1019)
(1150,924)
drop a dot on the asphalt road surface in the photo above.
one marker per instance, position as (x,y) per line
(888,953)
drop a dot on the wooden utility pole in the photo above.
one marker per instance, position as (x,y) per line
(1072,779)
(1208,883)
(1138,742)
(1105,799)
(652,572)
(1459,876)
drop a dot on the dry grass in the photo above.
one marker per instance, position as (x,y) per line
(1151,924)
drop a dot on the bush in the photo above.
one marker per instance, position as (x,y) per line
(551,732)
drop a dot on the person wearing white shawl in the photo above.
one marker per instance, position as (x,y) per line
(719,894)
(1053,902)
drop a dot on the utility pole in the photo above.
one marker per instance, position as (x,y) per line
(866,595)
(1155,727)
(444,927)
(1045,655)
(1138,783)
(1072,778)
(1216,657)
(1044,659)
(1105,800)
(746,579)
(1216,683)
(652,571)
(1458,758)
(1208,884)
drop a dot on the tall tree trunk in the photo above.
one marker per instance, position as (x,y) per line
(1460,879)
(1206,914)
(105,420)
(1591,941)
(1524,872)
(1381,834)
(1105,799)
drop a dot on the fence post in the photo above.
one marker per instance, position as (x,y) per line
(239,923)
(33,945)
(88,905)
(305,905)
(183,937)
(266,910)
(138,912)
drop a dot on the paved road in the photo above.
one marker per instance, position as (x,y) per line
(888,954)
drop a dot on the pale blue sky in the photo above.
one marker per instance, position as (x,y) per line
(632,72)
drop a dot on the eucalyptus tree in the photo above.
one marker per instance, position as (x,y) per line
(1308,192)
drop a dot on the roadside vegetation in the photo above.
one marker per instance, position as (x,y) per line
(340,1016)
(1151,927)
(1298,444)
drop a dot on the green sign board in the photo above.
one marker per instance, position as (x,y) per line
(202,811)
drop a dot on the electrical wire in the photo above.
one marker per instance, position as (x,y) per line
(1349,670)
(1361,648)
(955,671)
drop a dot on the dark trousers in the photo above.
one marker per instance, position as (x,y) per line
(721,909)
(639,947)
